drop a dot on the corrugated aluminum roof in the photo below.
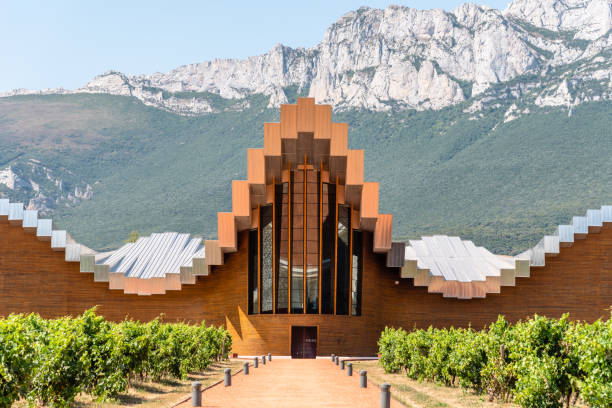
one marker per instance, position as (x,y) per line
(154,256)
(455,259)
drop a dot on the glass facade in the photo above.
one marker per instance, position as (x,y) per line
(253,273)
(344,259)
(304,257)
(266,258)
(356,272)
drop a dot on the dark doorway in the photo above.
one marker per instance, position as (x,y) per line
(303,341)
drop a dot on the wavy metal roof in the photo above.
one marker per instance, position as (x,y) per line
(447,265)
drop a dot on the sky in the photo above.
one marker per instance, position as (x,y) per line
(65,43)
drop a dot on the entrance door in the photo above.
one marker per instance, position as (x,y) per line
(303,341)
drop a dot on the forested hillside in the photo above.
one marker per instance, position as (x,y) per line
(105,165)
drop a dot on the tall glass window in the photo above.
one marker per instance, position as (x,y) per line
(253,272)
(297,242)
(267,258)
(281,201)
(356,273)
(312,241)
(344,259)
(305,257)
(328,248)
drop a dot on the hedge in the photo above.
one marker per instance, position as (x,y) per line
(540,362)
(49,362)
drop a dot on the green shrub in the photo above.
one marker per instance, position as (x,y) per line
(49,362)
(540,362)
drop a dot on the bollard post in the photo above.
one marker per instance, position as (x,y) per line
(363,379)
(255,362)
(245,367)
(349,369)
(270,357)
(337,360)
(342,365)
(385,395)
(333,358)
(196,394)
(228,377)
(263,360)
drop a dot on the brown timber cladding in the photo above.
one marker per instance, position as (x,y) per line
(33,278)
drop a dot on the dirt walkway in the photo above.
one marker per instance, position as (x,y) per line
(293,383)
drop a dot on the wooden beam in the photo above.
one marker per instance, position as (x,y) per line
(369,206)
(338,150)
(382,233)
(288,129)
(305,115)
(214,255)
(256,176)
(241,204)
(272,151)
(226,225)
(322,134)
(395,257)
(354,177)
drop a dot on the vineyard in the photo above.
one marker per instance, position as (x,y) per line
(49,362)
(540,362)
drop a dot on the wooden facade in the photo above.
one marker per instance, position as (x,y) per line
(35,278)
(395,287)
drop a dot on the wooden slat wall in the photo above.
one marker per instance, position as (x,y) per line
(578,281)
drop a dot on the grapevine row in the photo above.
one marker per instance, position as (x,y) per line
(540,362)
(50,361)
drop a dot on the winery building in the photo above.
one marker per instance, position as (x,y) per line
(305,264)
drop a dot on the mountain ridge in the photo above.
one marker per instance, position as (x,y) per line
(394,59)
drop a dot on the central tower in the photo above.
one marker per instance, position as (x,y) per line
(305,253)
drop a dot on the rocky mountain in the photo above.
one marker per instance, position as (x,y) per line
(490,125)
(548,53)
(40,187)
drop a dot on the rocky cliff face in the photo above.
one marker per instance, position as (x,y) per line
(41,188)
(550,52)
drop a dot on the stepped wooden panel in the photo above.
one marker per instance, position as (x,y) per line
(322,134)
(354,177)
(256,175)
(369,206)
(241,204)
(272,151)
(221,299)
(288,129)
(305,121)
(214,254)
(382,233)
(227,232)
(338,150)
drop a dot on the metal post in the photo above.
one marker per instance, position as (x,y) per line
(256,362)
(228,377)
(196,394)
(333,358)
(337,360)
(385,395)
(270,357)
(363,379)
(342,365)
(263,360)
(349,369)
(245,367)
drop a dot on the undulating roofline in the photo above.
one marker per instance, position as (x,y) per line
(457,268)
(446,265)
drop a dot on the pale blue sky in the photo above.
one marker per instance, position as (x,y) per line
(49,44)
